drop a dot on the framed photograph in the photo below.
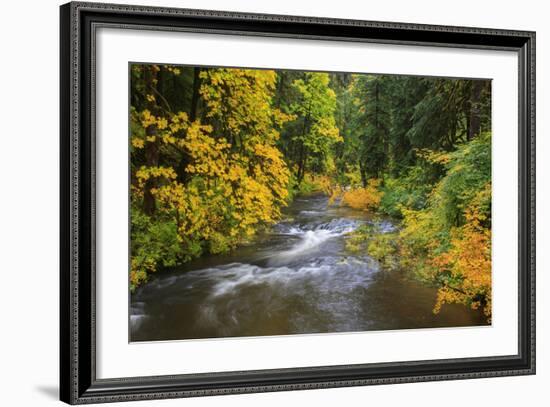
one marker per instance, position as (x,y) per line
(255,203)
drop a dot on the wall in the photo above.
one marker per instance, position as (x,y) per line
(29,206)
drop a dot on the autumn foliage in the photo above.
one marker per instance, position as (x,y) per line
(449,241)
(217,153)
(466,266)
(366,199)
(233,180)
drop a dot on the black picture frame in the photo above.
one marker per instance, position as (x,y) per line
(78,382)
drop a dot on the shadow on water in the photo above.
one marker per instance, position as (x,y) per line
(294,279)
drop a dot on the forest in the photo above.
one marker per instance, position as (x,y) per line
(218,153)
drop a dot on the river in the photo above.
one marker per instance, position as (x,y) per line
(296,278)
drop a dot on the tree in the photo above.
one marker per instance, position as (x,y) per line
(374,121)
(315,111)
(233,179)
(216,153)
(405,92)
(346,153)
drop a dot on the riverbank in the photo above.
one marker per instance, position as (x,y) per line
(297,277)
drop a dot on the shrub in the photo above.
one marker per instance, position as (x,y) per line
(409,191)
(382,247)
(366,199)
(153,244)
(449,241)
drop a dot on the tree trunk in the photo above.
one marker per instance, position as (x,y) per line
(195,96)
(151,160)
(151,148)
(376,105)
(475,119)
(185,160)
(303,153)
(301,164)
(363,173)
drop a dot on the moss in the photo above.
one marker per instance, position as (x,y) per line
(383,247)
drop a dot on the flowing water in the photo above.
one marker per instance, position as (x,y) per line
(295,278)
